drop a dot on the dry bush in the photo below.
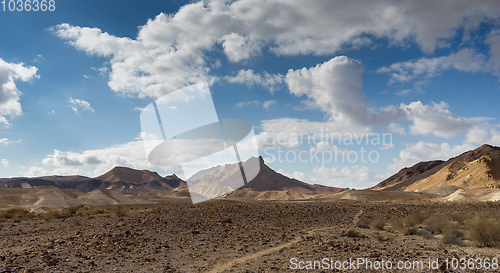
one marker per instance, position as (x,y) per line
(425,234)
(119,211)
(458,217)
(17,214)
(378,222)
(398,224)
(453,237)
(363,222)
(74,210)
(485,231)
(55,214)
(461,217)
(436,224)
(97,211)
(414,218)
(411,231)
(352,233)
(83,211)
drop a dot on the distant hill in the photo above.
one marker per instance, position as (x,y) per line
(479,168)
(129,175)
(119,178)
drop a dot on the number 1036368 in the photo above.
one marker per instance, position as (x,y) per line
(28,5)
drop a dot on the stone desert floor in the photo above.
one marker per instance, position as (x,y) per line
(230,236)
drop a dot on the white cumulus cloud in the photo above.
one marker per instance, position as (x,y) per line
(9,94)
(435,119)
(170,50)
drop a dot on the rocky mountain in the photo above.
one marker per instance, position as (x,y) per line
(119,178)
(479,168)
(266,184)
(407,175)
(129,175)
(129,180)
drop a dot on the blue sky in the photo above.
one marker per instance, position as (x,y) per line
(73,81)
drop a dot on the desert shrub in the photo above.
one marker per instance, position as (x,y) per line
(425,234)
(16,214)
(56,214)
(453,237)
(457,217)
(414,218)
(119,211)
(352,233)
(436,224)
(411,231)
(97,211)
(73,210)
(485,231)
(363,222)
(378,222)
(398,224)
(52,214)
(83,211)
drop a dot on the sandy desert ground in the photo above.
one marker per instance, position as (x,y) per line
(264,236)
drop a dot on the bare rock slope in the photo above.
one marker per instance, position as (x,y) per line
(479,168)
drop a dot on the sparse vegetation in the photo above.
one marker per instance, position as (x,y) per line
(97,211)
(378,222)
(55,214)
(352,233)
(414,218)
(16,214)
(411,231)
(436,224)
(74,210)
(119,211)
(425,234)
(363,222)
(453,237)
(485,231)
